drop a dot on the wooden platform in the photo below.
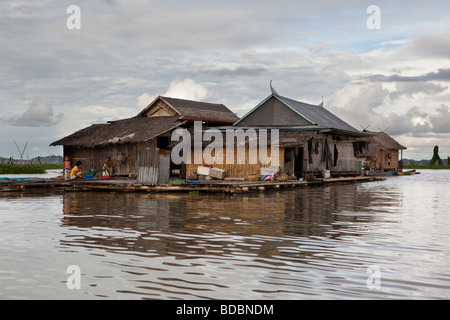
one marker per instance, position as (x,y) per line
(131,185)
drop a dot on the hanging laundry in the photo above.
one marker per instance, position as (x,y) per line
(310,150)
(336,155)
(327,154)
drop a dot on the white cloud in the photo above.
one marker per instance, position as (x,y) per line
(144,100)
(357,103)
(187,89)
(39,114)
(394,42)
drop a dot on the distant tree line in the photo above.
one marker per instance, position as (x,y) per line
(435,162)
(36,160)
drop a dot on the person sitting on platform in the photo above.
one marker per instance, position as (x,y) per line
(77,171)
(107,168)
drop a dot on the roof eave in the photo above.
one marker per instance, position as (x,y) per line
(352,133)
(210,120)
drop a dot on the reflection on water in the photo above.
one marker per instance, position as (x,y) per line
(289,244)
(302,212)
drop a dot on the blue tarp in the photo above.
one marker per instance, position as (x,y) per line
(20,179)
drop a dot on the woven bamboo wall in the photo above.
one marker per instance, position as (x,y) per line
(346,161)
(241,167)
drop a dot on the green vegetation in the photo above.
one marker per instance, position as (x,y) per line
(436,158)
(27,168)
(435,163)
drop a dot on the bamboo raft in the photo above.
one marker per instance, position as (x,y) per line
(131,185)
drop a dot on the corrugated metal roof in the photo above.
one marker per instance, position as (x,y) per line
(320,119)
(318,115)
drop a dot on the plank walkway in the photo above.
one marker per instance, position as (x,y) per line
(131,185)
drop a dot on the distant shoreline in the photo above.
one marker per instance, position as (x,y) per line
(28,168)
(424,167)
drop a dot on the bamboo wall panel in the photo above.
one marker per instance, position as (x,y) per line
(237,170)
(346,159)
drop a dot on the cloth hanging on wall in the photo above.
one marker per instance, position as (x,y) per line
(327,154)
(311,146)
(336,155)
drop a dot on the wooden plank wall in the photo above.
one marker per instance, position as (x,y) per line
(93,158)
(383,161)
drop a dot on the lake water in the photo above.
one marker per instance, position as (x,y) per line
(377,240)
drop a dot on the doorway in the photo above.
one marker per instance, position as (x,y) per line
(293,161)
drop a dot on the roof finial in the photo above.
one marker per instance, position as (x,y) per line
(272,89)
(321,104)
(384,131)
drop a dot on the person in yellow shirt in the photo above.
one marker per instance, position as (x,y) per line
(77,171)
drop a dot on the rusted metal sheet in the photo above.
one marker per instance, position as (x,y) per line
(153,167)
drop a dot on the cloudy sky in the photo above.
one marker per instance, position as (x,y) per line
(55,79)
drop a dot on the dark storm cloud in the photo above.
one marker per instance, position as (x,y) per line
(411,88)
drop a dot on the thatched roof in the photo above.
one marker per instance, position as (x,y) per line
(195,110)
(190,114)
(142,127)
(130,130)
(370,146)
(191,104)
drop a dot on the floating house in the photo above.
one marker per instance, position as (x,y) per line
(311,140)
(379,151)
(301,140)
(151,128)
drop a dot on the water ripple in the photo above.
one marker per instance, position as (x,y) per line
(312,243)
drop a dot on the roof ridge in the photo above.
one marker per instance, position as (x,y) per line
(181,99)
